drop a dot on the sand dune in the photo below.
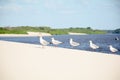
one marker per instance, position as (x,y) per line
(19,61)
(29,34)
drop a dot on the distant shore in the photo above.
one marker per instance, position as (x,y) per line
(29,34)
(25,35)
(71,33)
(20,61)
(14,35)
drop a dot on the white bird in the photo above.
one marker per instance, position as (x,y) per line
(73,43)
(116,38)
(93,46)
(43,42)
(55,42)
(112,49)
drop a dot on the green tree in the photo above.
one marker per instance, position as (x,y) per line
(88,28)
(117,31)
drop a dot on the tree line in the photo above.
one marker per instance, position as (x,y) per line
(117,31)
(25,29)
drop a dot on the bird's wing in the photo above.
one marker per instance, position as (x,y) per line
(114,49)
(45,42)
(95,46)
(58,41)
(75,43)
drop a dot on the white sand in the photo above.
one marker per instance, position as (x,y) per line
(24,35)
(16,35)
(71,33)
(19,61)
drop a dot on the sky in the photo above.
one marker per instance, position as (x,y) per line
(97,14)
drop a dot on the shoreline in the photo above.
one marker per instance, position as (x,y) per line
(23,35)
(72,33)
(16,35)
(20,61)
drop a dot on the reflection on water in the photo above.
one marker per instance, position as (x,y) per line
(101,40)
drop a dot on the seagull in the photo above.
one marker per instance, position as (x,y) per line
(43,42)
(112,49)
(73,43)
(116,38)
(55,42)
(92,45)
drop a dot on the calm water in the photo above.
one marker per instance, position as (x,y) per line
(101,40)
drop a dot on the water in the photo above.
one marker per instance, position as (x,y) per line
(101,40)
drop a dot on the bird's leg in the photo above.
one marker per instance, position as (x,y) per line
(113,52)
(42,46)
(55,45)
(71,46)
(91,49)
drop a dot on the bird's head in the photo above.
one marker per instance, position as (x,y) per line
(71,39)
(90,41)
(110,46)
(52,38)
